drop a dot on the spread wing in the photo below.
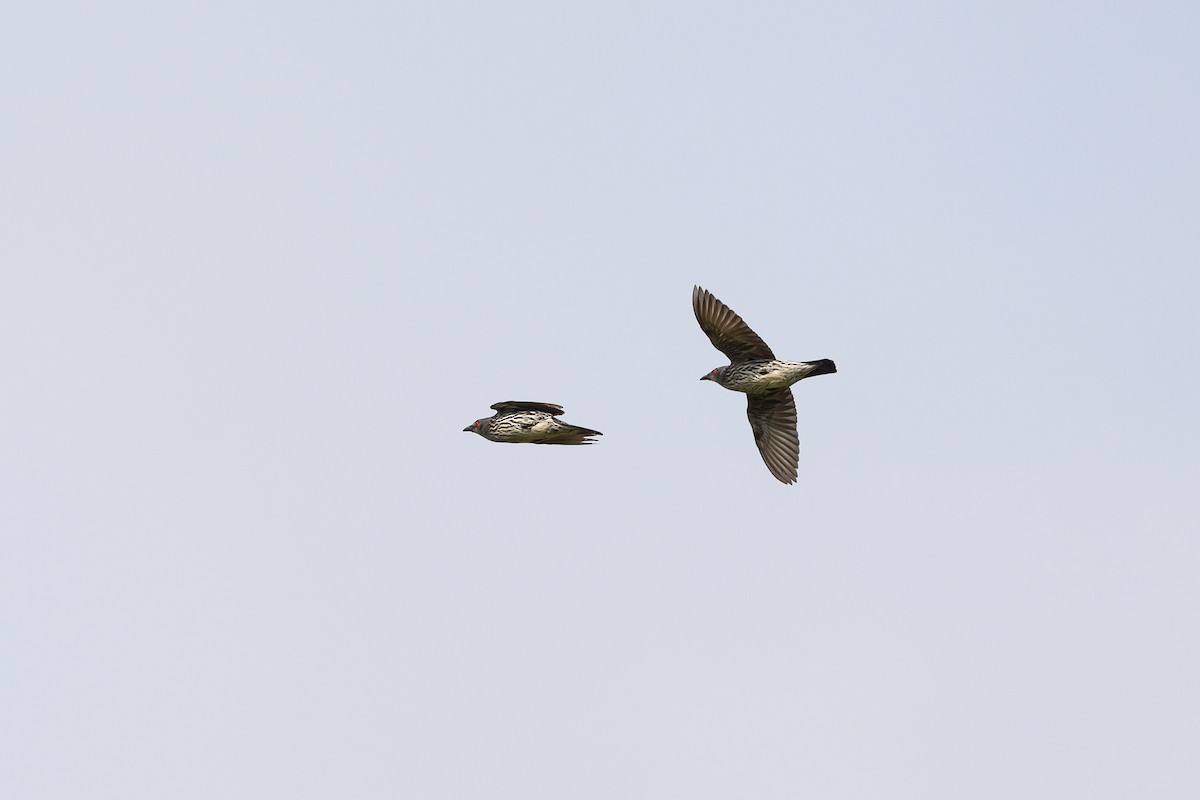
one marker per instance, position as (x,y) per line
(773,420)
(726,330)
(507,406)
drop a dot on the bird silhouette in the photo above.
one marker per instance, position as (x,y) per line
(754,370)
(518,421)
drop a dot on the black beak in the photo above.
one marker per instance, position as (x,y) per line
(467,429)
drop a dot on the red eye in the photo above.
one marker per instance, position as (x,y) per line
(714,372)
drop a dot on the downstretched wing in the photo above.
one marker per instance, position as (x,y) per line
(508,406)
(569,434)
(726,330)
(773,420)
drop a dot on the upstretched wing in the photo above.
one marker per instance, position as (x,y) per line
(773,420)
(726,330)
(507,406)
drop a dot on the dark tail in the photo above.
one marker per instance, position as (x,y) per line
(822,367)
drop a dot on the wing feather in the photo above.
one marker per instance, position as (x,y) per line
(507,406)
(773,420)
(726,330)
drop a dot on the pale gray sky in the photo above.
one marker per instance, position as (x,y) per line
(264,261)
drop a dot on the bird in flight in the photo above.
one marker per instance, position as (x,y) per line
(754,370)
(516,421)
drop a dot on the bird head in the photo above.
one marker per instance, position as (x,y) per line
(478,426)
(716,375)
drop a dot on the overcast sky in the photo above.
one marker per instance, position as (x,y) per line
(262,262)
